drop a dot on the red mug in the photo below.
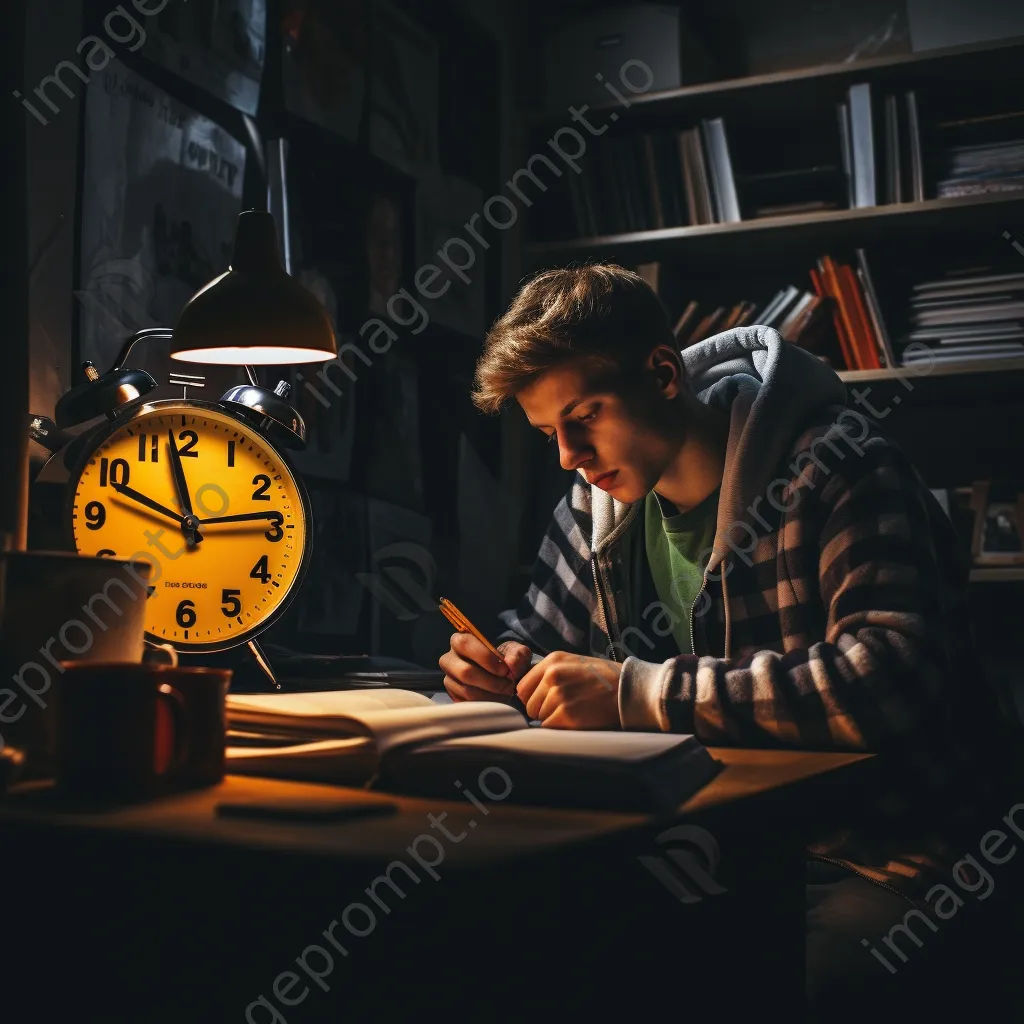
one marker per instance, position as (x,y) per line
(128,730)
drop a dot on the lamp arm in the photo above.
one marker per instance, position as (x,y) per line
(163,333)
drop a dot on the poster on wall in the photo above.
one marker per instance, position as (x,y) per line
(331,597)
(323,64)
(218,45)
(404,92)
(444,205)
(325,397)
(161,195)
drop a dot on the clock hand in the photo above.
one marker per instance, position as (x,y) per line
(192,535)
(142,499)
(244,517)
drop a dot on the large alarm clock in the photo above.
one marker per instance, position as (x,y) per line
(202,490)
(211,503)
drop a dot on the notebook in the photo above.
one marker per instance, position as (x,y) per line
(403,742)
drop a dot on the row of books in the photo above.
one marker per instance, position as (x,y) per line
(966,315)
(794,313)
(655,180)
(897,153)
(681,177)
(839,317)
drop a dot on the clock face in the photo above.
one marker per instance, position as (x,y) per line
(224,572)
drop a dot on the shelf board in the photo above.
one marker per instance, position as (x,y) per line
(733,89)
(997,574)
(936,370)
(830,225)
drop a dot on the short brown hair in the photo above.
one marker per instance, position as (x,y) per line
(598,310)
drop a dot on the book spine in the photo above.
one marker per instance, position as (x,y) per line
(875,308)
(702,169)
(871,344)
(685,320)
(863,145)
(821,281)
(651,178)
(843,111)
(725,181)
(689,177)
(916,162)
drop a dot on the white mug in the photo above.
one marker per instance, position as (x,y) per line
(58,606)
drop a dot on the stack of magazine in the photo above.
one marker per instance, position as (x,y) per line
(972,315)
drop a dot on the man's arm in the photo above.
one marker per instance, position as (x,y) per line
(882,670)
(555,612)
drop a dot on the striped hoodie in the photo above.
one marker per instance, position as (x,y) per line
(831,617)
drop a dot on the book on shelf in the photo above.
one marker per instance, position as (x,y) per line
(843,112)
(916,161)
(695,175)
(651,181)
(893,163)
(862,144)
(404,742)
(686,318)
(888,355)
(723,182)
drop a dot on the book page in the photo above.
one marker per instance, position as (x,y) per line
(625,747)
(413,726)
(324,712)
(391,717)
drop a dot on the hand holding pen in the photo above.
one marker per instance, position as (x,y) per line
(477,670)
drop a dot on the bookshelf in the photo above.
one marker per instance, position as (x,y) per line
(938,370)
(998,574)
(998,58)
(829,227)
(874,193)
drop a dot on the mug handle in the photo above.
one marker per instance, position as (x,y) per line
(160,654)
(177,704)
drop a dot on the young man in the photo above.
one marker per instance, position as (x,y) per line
(742,557)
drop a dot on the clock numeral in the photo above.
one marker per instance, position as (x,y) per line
(116,472)
(154,447)
(262,482)
(275,533)
(95,515)
(186,614)
(231,453)
(259,570)
(106,553)
(192,439)
(230,605)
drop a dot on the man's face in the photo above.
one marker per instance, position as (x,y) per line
(622,441)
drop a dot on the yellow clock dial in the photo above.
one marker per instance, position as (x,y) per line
(211,505)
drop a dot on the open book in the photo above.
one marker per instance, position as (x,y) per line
(404,742)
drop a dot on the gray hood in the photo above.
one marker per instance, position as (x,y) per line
(770,387)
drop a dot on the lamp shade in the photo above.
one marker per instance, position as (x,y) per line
(254,314)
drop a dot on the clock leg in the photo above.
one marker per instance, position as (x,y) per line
(261,660)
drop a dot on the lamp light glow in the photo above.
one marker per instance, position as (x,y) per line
(255,314)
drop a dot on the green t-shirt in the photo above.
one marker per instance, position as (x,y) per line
(674,543)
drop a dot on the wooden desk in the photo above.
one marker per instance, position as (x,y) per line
(166,911)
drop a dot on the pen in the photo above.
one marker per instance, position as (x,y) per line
(463,625)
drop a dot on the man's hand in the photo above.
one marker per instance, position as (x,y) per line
(471,672)
(569,691)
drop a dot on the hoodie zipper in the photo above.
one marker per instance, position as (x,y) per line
(600,608)
(693,640)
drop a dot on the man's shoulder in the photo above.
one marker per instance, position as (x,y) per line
(841,445)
